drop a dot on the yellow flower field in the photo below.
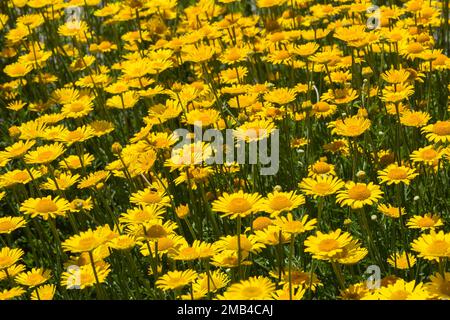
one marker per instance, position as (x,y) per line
(224,149)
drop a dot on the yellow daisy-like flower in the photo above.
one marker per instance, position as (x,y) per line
(45,154)
(9,256)
(321,186)
(355,291)
(239,204)
(150,196)
(12,293)
(400,290)
(299,278)
(414,118)
(439,286)
(254,130)
(18,149)
(174,280)
(350,127)
(9,224)
(289,225)
(62,182)
(357,195)
(432,246)
(45,207)
(216,281)
(85,241)
(321,168)
(45,292)
(395,174)
(402,260)
(426,222)
(325,246)
(428,155)
(278,202)
(254,288)
(391,211)
(84,277)
(281,96)
(438,132)
(33,278)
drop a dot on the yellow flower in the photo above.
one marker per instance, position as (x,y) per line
(428,155)
(432,246)
(438,132)
(9,224)
(280,96)
(326,246)
(85,241)
(254,130)
(397,174)
(350,127)
(11,293)
(426,222)
(402,260)
(357,195)
(439,286)
(321,186)
(33,278)
(254,288)
(278,202)
(45,207)
(400,290)
(83,277)
(45,292)
(289,225)
(239,204)
(391,211)
(174,280)
(9,256)
(17,70)
(45,154)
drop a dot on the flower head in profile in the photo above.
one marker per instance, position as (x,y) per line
(174,280)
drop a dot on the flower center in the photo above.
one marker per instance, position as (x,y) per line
(321,167)
(151,197)
(251,292)
(280,202)
(322,107)
(76,107)
(438,248)
(415,47)
(429,154)
(239,205)
(426,222)
(397,174)
(46,205)
(86,243)
(47,154)
(6,225)
(445,288)
(21,176)
(359,192)
(442,128)
(156,231)
(321,188)
(399,295)
(328,245)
